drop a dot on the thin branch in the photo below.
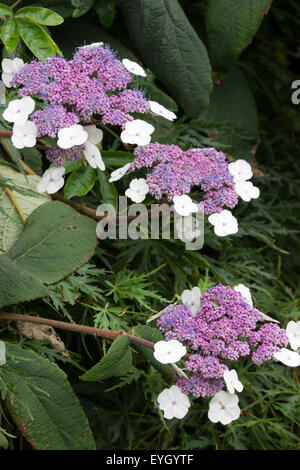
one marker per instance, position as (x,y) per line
(16,3)
(16,204)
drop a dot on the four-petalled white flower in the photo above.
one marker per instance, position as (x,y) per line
(133,67)
(245,292)
(184,205)
(52,180)
(159,109)
(119,173)
(293,334)
(9,66)
(95,135)
(19,110)
(224,408)
(240,170)
(70,136)
(137,132)
(246,190)
(224,223)
(191,298)
(287,357)
(232,381)
(24,135)
(173,402)
(137,190)
(168,352)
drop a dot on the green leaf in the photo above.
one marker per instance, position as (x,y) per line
(82,7)
(26,197)
(64,9)
(155,94)
(114,364)
(71,166)
(231,25)
(108,191)
(106,10)
(55,242)
(40,15)
(3,440)
(33,158)
(42,403)
(116,157)
(36,39)
(80,182)
(171,49)
(5,10)
(9,34)
(16,285)
(233,107)
(154,335)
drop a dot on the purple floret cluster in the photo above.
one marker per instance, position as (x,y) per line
(225,328)
(175,172)
(94,82)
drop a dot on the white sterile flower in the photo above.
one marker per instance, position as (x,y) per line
(240,170)
(159,109)
(246,190)
(287,357)
(232,381)
(191,298)
(137,190)
(224,223)
(245,291)
(183,205)
(2,353)
(94,44)
(266,317)
(119,173)
(293,334)
(224,408)
(95,135)
(93,156)
(19,110)
(179,371)
(133,67)
(168,352)
(137,132)
(70,136)
(173,402)
(52,180)
(24,135)
(9,66)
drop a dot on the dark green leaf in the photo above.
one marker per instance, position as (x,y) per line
(33,158)
(3,440)
(82,7)
(231,24)
(108,191)
(5,10)
(116,157)
(106,10)
(16,285)
(40,15)
(155,94)
(9,34)
(36,39)
(43,404)
(55,242)
(114,364)
(171,49)
(80,182)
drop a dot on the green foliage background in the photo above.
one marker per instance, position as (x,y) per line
(229,66)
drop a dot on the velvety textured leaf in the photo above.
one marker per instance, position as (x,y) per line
(106,10)
(40,15)
(36,39)
(154,335)
(114,364)
(5,10)
(80,182)
(16,285)
(171,49)
(55,242)
(25,196)
(231,24)
(43,404)
(9,34)
(108,191)
(233,107)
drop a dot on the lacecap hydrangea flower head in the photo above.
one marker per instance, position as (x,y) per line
(222,329)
